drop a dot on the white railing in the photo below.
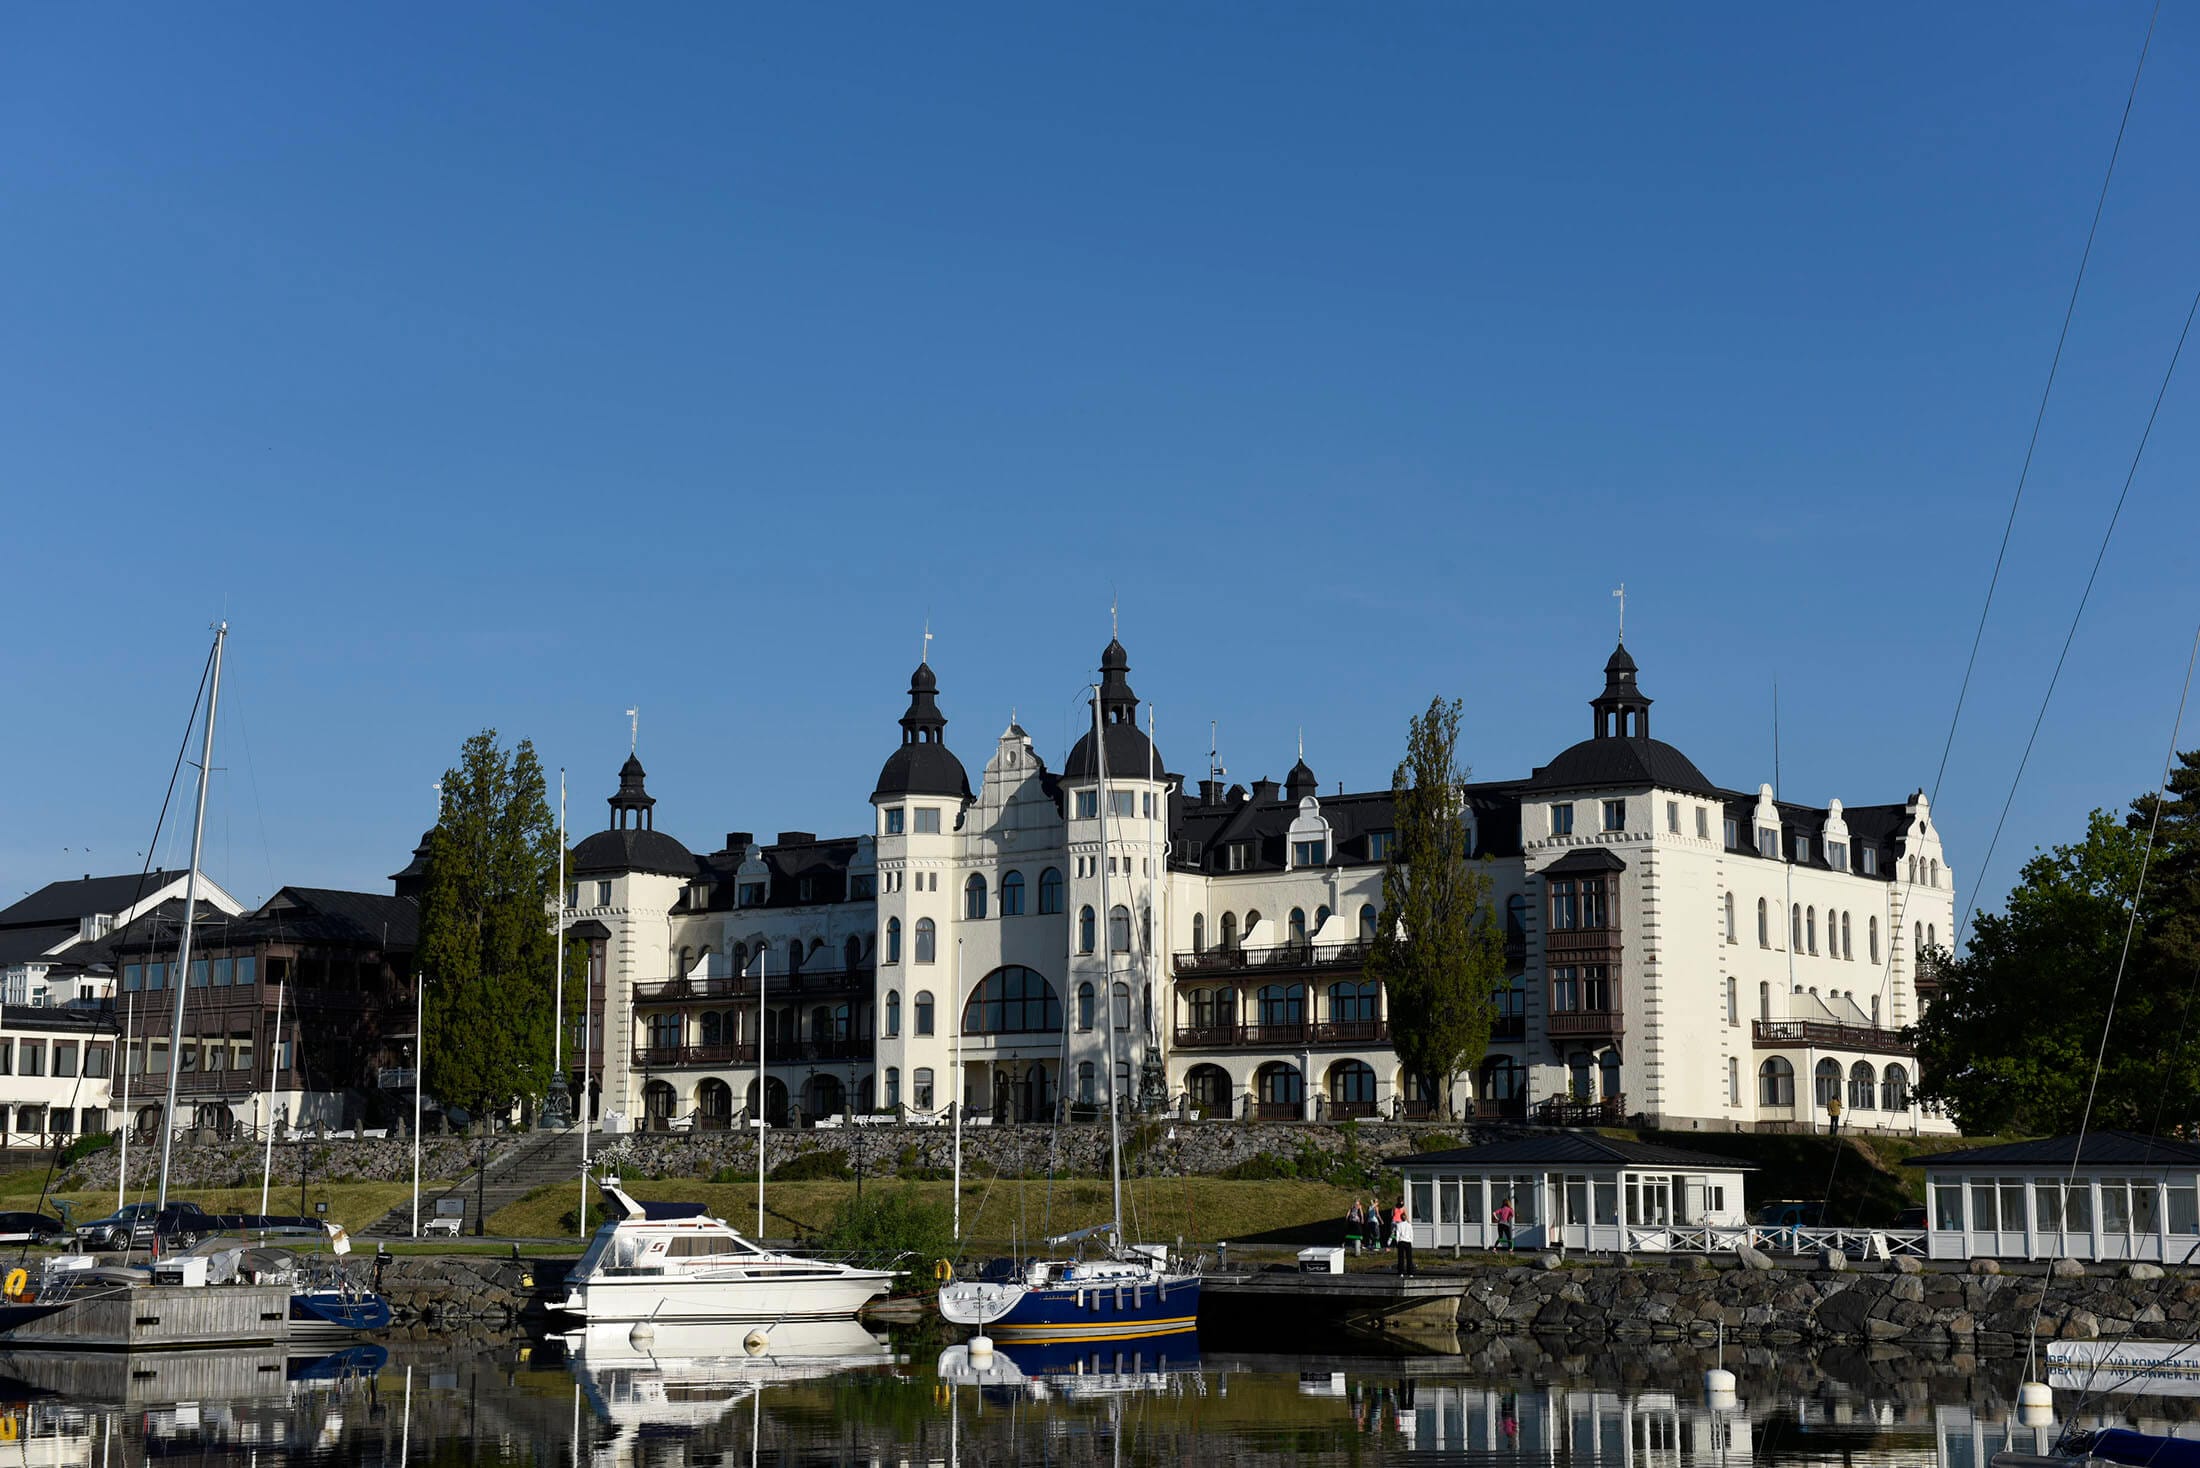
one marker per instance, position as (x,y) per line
(1865,1243)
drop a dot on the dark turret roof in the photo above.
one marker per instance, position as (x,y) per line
(1621,752)
(1300,783)
(632,850)
(923,765)
(1131,754)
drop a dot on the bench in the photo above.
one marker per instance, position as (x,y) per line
(450,1218)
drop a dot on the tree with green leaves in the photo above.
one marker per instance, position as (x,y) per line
(1437,952)
(2010,1041)
(487,954)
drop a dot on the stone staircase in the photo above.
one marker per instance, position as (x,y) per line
(540,1159)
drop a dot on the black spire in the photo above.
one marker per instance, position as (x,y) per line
(1118,705)
(1300,783)
(633,802)
(1622,709)
(924,723)
(923,765)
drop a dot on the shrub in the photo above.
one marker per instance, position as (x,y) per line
(888,1225)
(1435,1142)
(819,1165)
(735,1175)
(85,1146)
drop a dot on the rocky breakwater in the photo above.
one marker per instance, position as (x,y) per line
(455,1291)
(1981,1310)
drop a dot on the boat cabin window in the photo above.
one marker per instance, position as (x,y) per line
(701,1244)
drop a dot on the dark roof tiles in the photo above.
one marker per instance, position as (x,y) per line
(1575,1147)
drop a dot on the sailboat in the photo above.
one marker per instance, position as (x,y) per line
(1125,1293)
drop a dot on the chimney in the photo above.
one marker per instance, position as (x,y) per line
(796,838)
(1266,791)
(1237,795)
(1210,792)
(739,840)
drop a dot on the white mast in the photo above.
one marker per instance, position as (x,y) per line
(267,1158)
(1107,948)
(122,1162)
(420,1073)
(557,1004)
(763,1085)
(190,910)
(956,1096)
(1157,935)
(581,1103)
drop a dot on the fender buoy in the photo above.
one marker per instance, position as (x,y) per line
(7,1423)
(942,1270)
(17,1281)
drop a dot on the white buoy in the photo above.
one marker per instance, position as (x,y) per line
(1718,1389)
(2036,1394)
(981,1348)
(642,1335)
(756,1342)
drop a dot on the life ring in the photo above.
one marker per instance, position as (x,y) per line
(7,1420)
(942,1270)
(18,1280)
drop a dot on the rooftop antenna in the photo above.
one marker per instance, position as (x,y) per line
(1115,630)
(1215,771)
(924,653)
(1620,591)
(633,730)
(1302,744)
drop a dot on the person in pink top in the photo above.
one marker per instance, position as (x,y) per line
(1504,1219)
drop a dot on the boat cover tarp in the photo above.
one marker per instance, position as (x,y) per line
(2145,1449)
(664,1212)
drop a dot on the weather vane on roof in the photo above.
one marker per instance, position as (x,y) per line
(924,652)
(1620,591)
(634,730)
(1115,630)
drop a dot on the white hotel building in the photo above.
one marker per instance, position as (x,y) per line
(1694,956)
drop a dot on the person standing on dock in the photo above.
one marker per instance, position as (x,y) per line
(1354,1221)
(1504,1219)
(1401,1234)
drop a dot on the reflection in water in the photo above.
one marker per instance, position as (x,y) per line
(709,1397)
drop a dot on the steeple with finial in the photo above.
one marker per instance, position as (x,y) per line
(1622,709)
(633,806)
(923,765)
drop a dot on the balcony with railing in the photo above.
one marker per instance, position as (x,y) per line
(743,986)
(1282,958)
(1566,1111)
(1585,1024)
(1789,1034)
(776,1053)
(1294,1034)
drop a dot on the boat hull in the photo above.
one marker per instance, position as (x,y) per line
(335,1313)
(1159,1305)
(633,1298)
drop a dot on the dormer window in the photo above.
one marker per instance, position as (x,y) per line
(804,889)
(1871,862)
(1733,834)
(1237,856)
(1837,855)
(1768,843)
(1380,844)
(862,889)
(895,817)
(1309,853)
(752,894)
(1802,850)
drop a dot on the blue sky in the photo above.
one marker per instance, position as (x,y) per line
(509,366)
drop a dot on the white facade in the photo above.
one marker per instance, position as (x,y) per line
(1692,955)
(1569,1192)
(2128,1197)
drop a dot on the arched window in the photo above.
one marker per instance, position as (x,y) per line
(714,1102)
(1199,932)
(893,940)
(687,961)
(1894,1089)
(1321,916)
(1776,1082)
(1298,925)
(1088,1089)
(1084,930)
(1229,932)
(1579,1086)
(1764,928)
(1367,923)
(1084,1005)
(926,940)
(1282,1004)
(1012,1001)
(1847,949)
(1930,940)
(1810,929)
(1608,1074)
(711,1034)
(1252,921)
(1933,869)
(1826,1082)
(1210,1089)
(1917,937)
(1764,1001)
(851,954)
(974,897)
(1502,1078)
(1012,895)
(893,1012)
(892,1098)
(1795,927)
(1352,1003)
(1280,1084)
(1119,929)
(1863,1086)
(794,955)
(1352,1088)
(920,1087)
(659,1101)
(740,958)
(1731,935)
(1871,930)
(1122,1006)
(1050,891)
(924,1012)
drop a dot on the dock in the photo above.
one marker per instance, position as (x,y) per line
(1363,1301)
(162,1317)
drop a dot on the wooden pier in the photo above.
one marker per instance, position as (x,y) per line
(1363,1301)
(162,1318)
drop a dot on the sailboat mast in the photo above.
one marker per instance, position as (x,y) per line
(1107,988)
(190,909)
(763,1085)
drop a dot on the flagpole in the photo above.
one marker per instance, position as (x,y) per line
(955,1097)
(763,1085)
(557,1002)
(267,1161)
(122,1163)
(420,1072)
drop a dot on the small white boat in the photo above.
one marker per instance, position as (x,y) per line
(673,1262)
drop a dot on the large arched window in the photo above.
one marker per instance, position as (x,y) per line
(1352,1087)
(1847,951)
(974,897)
(714,1104)
(1012,1001)
(1282,1004)
(1826,1082)
(1280,1084)
(1502,1078)
(1776,1082)
(1210,1089)
(1894,1089)
(1085,936)
(1764,926)
(1608,1074)
(893,1012)
(1731,935)
(711,1035)
(1298,925)
(1050,890)
(1229,933)
(1084,1005)
(893,940)
(1352,1003)
(659,1101)
(1012,895)
(1863,1086)
(1119,929)
(927,937)
(924,1012)
(1579,1085)
(1199,932)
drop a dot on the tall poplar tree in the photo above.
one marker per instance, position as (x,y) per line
(1437,952)
(486,951)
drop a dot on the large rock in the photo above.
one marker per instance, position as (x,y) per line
(1908,1264)
(2066,1269)
(1833,1261)
(1985,1266)
(1752,1257)
(2140,1269)
(1906,1287)
(1548,1262)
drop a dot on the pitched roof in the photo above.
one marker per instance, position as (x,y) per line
(67,901)
(1590,859)
(631,850)
(1574,1147)
(376,918)
(20,944)
(1595,763)
(2100,1149)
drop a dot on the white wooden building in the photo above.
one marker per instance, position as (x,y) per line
(1573,1190)
(2118,1196)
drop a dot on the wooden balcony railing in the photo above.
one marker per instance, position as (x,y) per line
(739,986)
(1786,1034)
(1285,956)
(1274,1036)
(1585,1024)
(1564,1111)
(777,1053)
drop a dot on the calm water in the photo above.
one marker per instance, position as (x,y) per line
(840,1394)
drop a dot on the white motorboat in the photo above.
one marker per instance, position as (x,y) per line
(673,1262)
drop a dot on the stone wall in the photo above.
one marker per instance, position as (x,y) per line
(451,1290)
(238,1164)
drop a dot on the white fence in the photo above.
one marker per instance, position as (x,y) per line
(1857,1243)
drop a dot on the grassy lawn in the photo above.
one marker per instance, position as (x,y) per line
(995,1213)
(353,1205)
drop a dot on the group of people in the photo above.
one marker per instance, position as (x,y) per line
(1373,1225)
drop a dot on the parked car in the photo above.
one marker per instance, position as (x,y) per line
(1911,1217)
(133,1225)
(30,1228)
(1791,1213)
